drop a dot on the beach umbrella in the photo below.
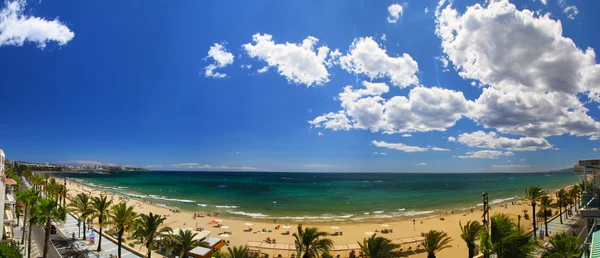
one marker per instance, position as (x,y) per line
(385,225)
(286,227)
(248,224)
(224,235)
(212,222)
(218,220)
(335,227)
(224,226)
(369,233)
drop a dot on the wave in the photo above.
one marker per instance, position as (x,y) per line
(417,213)
(378,212)
(496,201)
(249,214)
(402,209)
(136,195)
(202,204)
(160,197)
(228,206)
(318,218)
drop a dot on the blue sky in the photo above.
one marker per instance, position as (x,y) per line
(352,86)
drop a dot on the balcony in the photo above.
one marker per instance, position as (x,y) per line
(591,207)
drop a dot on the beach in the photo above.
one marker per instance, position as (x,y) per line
(447,221)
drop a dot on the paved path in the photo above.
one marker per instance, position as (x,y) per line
(574,223)
(89,250)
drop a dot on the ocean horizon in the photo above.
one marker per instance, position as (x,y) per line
(318,197)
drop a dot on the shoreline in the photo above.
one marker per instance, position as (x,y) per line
(353,231)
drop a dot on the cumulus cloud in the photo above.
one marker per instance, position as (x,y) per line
(571,11)
(221,58)
(246,66)
(320,134)
(368,58)
(407,135)
(263,70)
(16,27)
(544,2)
(426,10)
(298,63)
(405,148)
(486,154)
(395,11)
(425,109)
(451,139)
(530,85)
(491,140)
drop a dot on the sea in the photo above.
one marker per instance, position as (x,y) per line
(317,197)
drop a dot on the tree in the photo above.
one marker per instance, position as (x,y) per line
(575,194)
(239,252)
(81,205)
(563,246)
(436,241)
(46,177)
(27,173)
(147,227)
(310,242)
(45,212)
(378,247)
(508,240)
(8,250)
(27,198)
(470,233)
(545,202)
(561,196)
(100,206)
(122,218)
(186,242)
(534,194)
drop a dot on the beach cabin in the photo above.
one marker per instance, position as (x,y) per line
(203,252)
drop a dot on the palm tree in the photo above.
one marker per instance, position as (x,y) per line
(575,194)
(186,242)
(81,205)
(436,241)
(561,196)
(545,202)
(239,252)
(45,212)
(100,206)
(563,246)
(485,243)
(46,177)
(534,194)
(310,242)
(122,218)
(508,240)
(27,198)
(378,247)
(470,233)
(147,227)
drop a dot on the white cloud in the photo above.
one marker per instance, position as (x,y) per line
(367,57)
(379,153)
(319,165)
(425,109)
(421,164)
(486,154)
(16,27)
(426,10)
(405,148)
(595,137)
(320,134)
(407,135)
(530,85)
(383,37)
(246,66)
(571,11)
(298,63)
(221,57)
(510,166)
(82,162)
(491,140)
(544,2)
(395,11)
(263,70)
(399,146)
(451,139)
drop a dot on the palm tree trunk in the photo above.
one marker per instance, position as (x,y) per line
(83,221)
(24,223)
(430,255)
(546,221)
(119,243)
(560,211)
(100,239)
(47,238)
(534,221)
(148,247)
(471,250)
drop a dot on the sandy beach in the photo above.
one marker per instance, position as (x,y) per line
(352,231)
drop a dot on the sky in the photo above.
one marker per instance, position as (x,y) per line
(301,85)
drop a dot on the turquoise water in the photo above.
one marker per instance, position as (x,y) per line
(321,196)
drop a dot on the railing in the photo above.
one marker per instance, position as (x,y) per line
(588,241)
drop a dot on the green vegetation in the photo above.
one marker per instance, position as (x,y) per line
(100,206)
(310,242)
(534,194)
(436,241)
(378,247)
(470,233)
(122,218)
(563,246)
(46,211)
(8,250)
(505,239)
(238,252)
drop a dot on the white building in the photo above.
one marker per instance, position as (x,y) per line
(2,191)
(7,199)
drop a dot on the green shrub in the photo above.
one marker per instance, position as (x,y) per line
(131,245)
(8,250)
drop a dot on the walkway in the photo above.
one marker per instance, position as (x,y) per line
(108,247)
(574,223)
